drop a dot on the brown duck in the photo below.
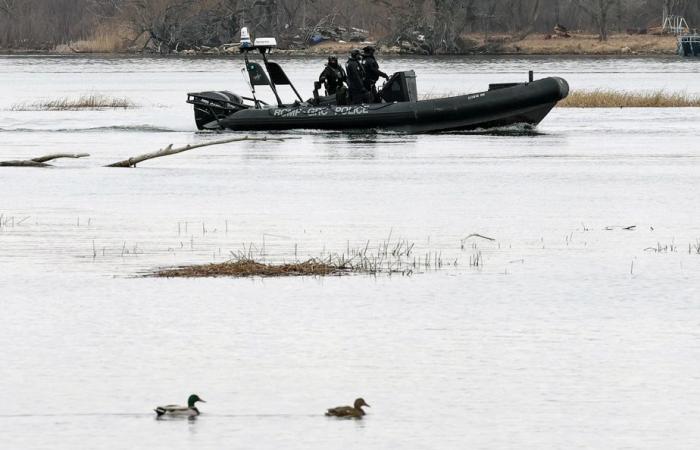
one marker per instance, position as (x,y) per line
(354,411)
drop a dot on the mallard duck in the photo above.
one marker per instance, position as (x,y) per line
(178,410)
(354,411)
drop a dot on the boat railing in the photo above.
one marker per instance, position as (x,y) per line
(689,44)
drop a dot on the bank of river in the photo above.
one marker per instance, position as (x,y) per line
(475,44)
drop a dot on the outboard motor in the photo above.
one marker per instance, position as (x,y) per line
(401,87)
(211,107)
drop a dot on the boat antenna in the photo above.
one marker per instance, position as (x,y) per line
(263,45)
(245,47)
(251,85)
(263,50)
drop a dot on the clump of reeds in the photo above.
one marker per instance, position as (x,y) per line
(694,248)
(607,98)
(108,37)
(387,257)
(84,102)
(248,268)
(662,248)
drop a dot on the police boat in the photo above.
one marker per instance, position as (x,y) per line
(503,105)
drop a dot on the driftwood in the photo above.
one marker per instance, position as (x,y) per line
(41,160)
(169,150)
(131,162)
(478,236)
(629,228)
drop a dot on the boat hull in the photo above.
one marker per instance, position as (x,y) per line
(526,103)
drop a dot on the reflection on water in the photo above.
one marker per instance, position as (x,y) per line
(568,333)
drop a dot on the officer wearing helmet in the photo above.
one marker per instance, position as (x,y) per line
(373,73)
(333,76)
(356,79)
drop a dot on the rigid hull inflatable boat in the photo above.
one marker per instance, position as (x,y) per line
(502,105)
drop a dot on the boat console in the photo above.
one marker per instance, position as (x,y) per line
(400,87)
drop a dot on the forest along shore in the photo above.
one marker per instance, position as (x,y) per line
(535,44)
(193,27)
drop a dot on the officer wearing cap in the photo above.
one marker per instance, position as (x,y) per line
(373,73)
(333,76)
(356,79)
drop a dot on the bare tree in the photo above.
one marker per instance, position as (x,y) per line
(178,24)
(598,11)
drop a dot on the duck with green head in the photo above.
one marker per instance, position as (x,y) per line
(351,412)
(178,410)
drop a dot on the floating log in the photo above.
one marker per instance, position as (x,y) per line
(41,160)
(169,150)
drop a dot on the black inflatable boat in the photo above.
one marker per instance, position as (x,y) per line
(400,110)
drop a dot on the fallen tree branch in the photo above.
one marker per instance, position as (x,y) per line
(629,228)
(169,150)
(41,160)
(478,236)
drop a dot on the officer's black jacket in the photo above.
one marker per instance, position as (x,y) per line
(356,76)
(372,69)
(333,77)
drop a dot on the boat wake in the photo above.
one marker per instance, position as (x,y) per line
(521,129)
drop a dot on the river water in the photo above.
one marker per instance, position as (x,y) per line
(578,328)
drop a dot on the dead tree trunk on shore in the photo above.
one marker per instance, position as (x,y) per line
(41,160)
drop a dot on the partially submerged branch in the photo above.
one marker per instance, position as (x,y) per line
(41,160)
(477,235)
(169,150)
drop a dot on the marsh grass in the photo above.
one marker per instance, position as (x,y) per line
(84,102)
(246,267)
(589,44)
(102,42)
(386,257)
(606,98)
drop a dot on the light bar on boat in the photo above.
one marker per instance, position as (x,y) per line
(265,42)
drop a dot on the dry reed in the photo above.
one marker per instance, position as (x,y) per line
(84,102)
(589,44)
(109,37)
(248,268)
(387,257)
(606,98)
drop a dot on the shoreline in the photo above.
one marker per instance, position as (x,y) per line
(496,45)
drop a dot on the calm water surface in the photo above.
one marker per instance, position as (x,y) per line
(573,332)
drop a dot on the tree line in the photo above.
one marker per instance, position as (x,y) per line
(178,24)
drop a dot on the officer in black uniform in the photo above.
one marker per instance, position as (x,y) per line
(333,76)
(356,79)
(373,72)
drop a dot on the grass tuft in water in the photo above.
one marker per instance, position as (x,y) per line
(605,98)
(387,257)
(248,268)
(84,102)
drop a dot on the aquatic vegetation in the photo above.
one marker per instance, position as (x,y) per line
(607,98)
(663,248)
(388,257)
(248,267)
(694,248)
(84,102)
